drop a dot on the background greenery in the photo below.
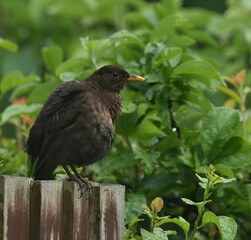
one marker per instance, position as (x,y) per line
(192,111)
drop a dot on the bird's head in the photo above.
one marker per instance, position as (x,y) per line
(113,78)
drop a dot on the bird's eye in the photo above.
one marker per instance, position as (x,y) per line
(115,75)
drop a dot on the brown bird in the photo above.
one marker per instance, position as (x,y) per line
(76,124)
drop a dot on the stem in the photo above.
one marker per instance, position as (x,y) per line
(153,221)
(187,238)
(201,210)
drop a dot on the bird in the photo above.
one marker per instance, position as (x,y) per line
(76,125)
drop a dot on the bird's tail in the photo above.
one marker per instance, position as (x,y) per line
(41,170)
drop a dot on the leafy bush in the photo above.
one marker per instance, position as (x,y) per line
(192,111)
(227,226)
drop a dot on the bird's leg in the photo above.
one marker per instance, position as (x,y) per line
(75,179)
(77,174)
(68,172)
(83,180)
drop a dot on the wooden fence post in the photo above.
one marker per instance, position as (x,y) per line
(112,207)
(46,215)
(76,212)
(14,207)
(53,210)
(107,208)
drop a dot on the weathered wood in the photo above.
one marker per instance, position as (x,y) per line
(46,215)
(14,207)
(53,210)
(75,212)
(94,213)
(112,212)
(107,207)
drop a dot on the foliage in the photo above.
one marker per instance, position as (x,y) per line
(227,226)
(192,111)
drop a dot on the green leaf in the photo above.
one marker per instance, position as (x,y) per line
(147,131)
(15,78)
(22,90)
(96,49)
(197,204)
(174,56)
(181,222)
(126,48)
(75,65)
(200,17)
(68,76)
(226,225)
(165,28)
(203,181)
(215,179)
(165,55)
(180,41)
(122,125)
(187,157)
(236,153)
(125,36)
(16,110)
(200,68)
(210,217)
(132,205)
(52,57)
(228,228)
(195,98)
(158,234)
(203,37)
(16,165)
(148,159)
(8,45)
(224,170)
(188,201)
(128,101)
(42,92)
(134,221)
(217,128)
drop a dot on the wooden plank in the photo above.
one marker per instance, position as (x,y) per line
(94,213)
(14,207)
(46,215)
(76,212)
(112,203)
(107,212)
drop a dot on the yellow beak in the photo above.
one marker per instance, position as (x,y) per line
(135,78)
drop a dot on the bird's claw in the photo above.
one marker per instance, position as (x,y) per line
(83,185)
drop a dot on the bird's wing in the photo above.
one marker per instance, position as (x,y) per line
(60,111)
(61,97)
